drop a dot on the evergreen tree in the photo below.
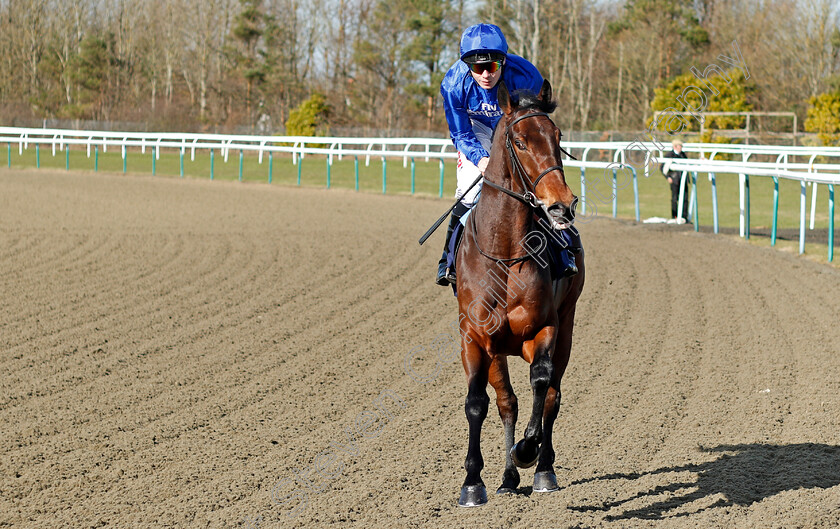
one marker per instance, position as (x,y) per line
(429,24)
(90,71)
(249,26)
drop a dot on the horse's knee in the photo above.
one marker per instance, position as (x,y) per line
(542,370)
(508,406)
(476,405)
(552,404)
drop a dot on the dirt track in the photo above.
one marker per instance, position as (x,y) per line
(173,353)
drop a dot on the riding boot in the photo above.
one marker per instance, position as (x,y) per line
(572,239)
(569,265)
(446,275)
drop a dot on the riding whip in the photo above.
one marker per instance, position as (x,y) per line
(439,221)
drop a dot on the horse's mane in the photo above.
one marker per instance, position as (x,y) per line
(528,99)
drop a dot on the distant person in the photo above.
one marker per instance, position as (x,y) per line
(470,102)
(674,178)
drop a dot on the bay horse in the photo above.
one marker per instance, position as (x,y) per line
(508,301)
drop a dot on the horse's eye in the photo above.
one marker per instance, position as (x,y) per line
(520,145)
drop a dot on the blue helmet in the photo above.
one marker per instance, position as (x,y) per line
(483,43)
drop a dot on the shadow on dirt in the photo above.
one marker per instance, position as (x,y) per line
(743,475)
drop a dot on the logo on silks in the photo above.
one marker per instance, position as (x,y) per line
(488,110)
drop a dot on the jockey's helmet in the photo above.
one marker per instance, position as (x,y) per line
(483,43)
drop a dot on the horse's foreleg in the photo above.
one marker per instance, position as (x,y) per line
(526,451)
(476,364)
(545,479)
(508,411)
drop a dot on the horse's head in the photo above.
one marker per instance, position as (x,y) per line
(534,155)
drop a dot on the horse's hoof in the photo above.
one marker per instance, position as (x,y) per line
(545,481)
(472,496)
(524,456)
(506,490)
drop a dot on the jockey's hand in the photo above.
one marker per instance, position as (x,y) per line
(670,180)
(482,164)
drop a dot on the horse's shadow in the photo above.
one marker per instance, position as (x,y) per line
(742,475)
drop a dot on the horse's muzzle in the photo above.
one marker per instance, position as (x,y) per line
(561,215)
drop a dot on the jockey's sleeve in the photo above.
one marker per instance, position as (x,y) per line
(460,127)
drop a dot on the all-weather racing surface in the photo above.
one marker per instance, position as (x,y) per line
(204,354)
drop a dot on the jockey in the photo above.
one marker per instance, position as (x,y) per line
(469,92)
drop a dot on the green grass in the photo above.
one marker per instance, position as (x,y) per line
(654,192)
(313,169)
(655,200)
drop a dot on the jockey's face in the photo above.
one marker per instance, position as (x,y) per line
(485,79)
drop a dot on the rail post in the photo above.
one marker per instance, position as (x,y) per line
(775,225)
(37,155)
(270,166)
(802,217)
(328,172)
(830,222)
(583,180)
(694,202)
(95,158)
(212,164)
(747,207)
(440,186)
(412,175)
(299,163)
(241,159)
(384,175)
(583,189)
(713,180)
(636,192)
(182,162)
(615,192)
(66,157)
(356,169)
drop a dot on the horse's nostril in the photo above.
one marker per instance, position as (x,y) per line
(573,208)
(560,212)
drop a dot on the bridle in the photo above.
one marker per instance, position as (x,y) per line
(528,198)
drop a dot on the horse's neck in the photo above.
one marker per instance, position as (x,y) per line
(502,222)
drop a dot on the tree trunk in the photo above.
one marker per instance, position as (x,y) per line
(535,37)
(617,111)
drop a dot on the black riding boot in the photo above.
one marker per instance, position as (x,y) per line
(446,276)
(574,247)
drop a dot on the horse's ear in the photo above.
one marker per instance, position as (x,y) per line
(504,99)
(545,91)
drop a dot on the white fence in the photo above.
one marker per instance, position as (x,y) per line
(811,166)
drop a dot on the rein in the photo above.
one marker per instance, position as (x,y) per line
(529,197)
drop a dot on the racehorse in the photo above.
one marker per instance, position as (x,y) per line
(508,301)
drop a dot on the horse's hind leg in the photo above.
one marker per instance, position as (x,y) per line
(508,411)
(476,365)
(526,451)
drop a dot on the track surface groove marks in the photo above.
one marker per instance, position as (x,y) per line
(95,292)
(290,349)
(136,316)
